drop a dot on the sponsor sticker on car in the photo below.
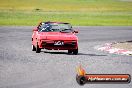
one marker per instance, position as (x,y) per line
(58,43)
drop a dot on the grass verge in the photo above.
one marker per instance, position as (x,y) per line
(76,12)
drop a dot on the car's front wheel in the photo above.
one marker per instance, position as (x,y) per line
(37,49)
(33,48)
(75,51)
(69,51)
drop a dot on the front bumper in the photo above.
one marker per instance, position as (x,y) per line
(67,45)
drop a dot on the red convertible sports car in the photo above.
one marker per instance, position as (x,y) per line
(54,36)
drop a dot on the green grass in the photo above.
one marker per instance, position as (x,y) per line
(77,12)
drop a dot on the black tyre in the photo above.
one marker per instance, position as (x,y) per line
(75,51)
(33,48)
(69,51)
(81,80)
(37,49)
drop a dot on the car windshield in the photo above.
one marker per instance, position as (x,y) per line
(56,27)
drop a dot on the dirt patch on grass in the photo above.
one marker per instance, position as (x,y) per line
(123,45)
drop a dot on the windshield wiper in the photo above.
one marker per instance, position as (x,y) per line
(66,30)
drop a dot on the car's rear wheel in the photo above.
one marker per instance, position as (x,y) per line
(37,49)
(33,48)
(75,52)
(69,51)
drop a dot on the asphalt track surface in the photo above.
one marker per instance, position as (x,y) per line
(22,68)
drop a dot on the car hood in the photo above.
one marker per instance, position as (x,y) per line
(57,36)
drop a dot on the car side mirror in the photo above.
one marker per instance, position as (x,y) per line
(35,29)
(75,31)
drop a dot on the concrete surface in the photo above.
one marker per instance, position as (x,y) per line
(22,68)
